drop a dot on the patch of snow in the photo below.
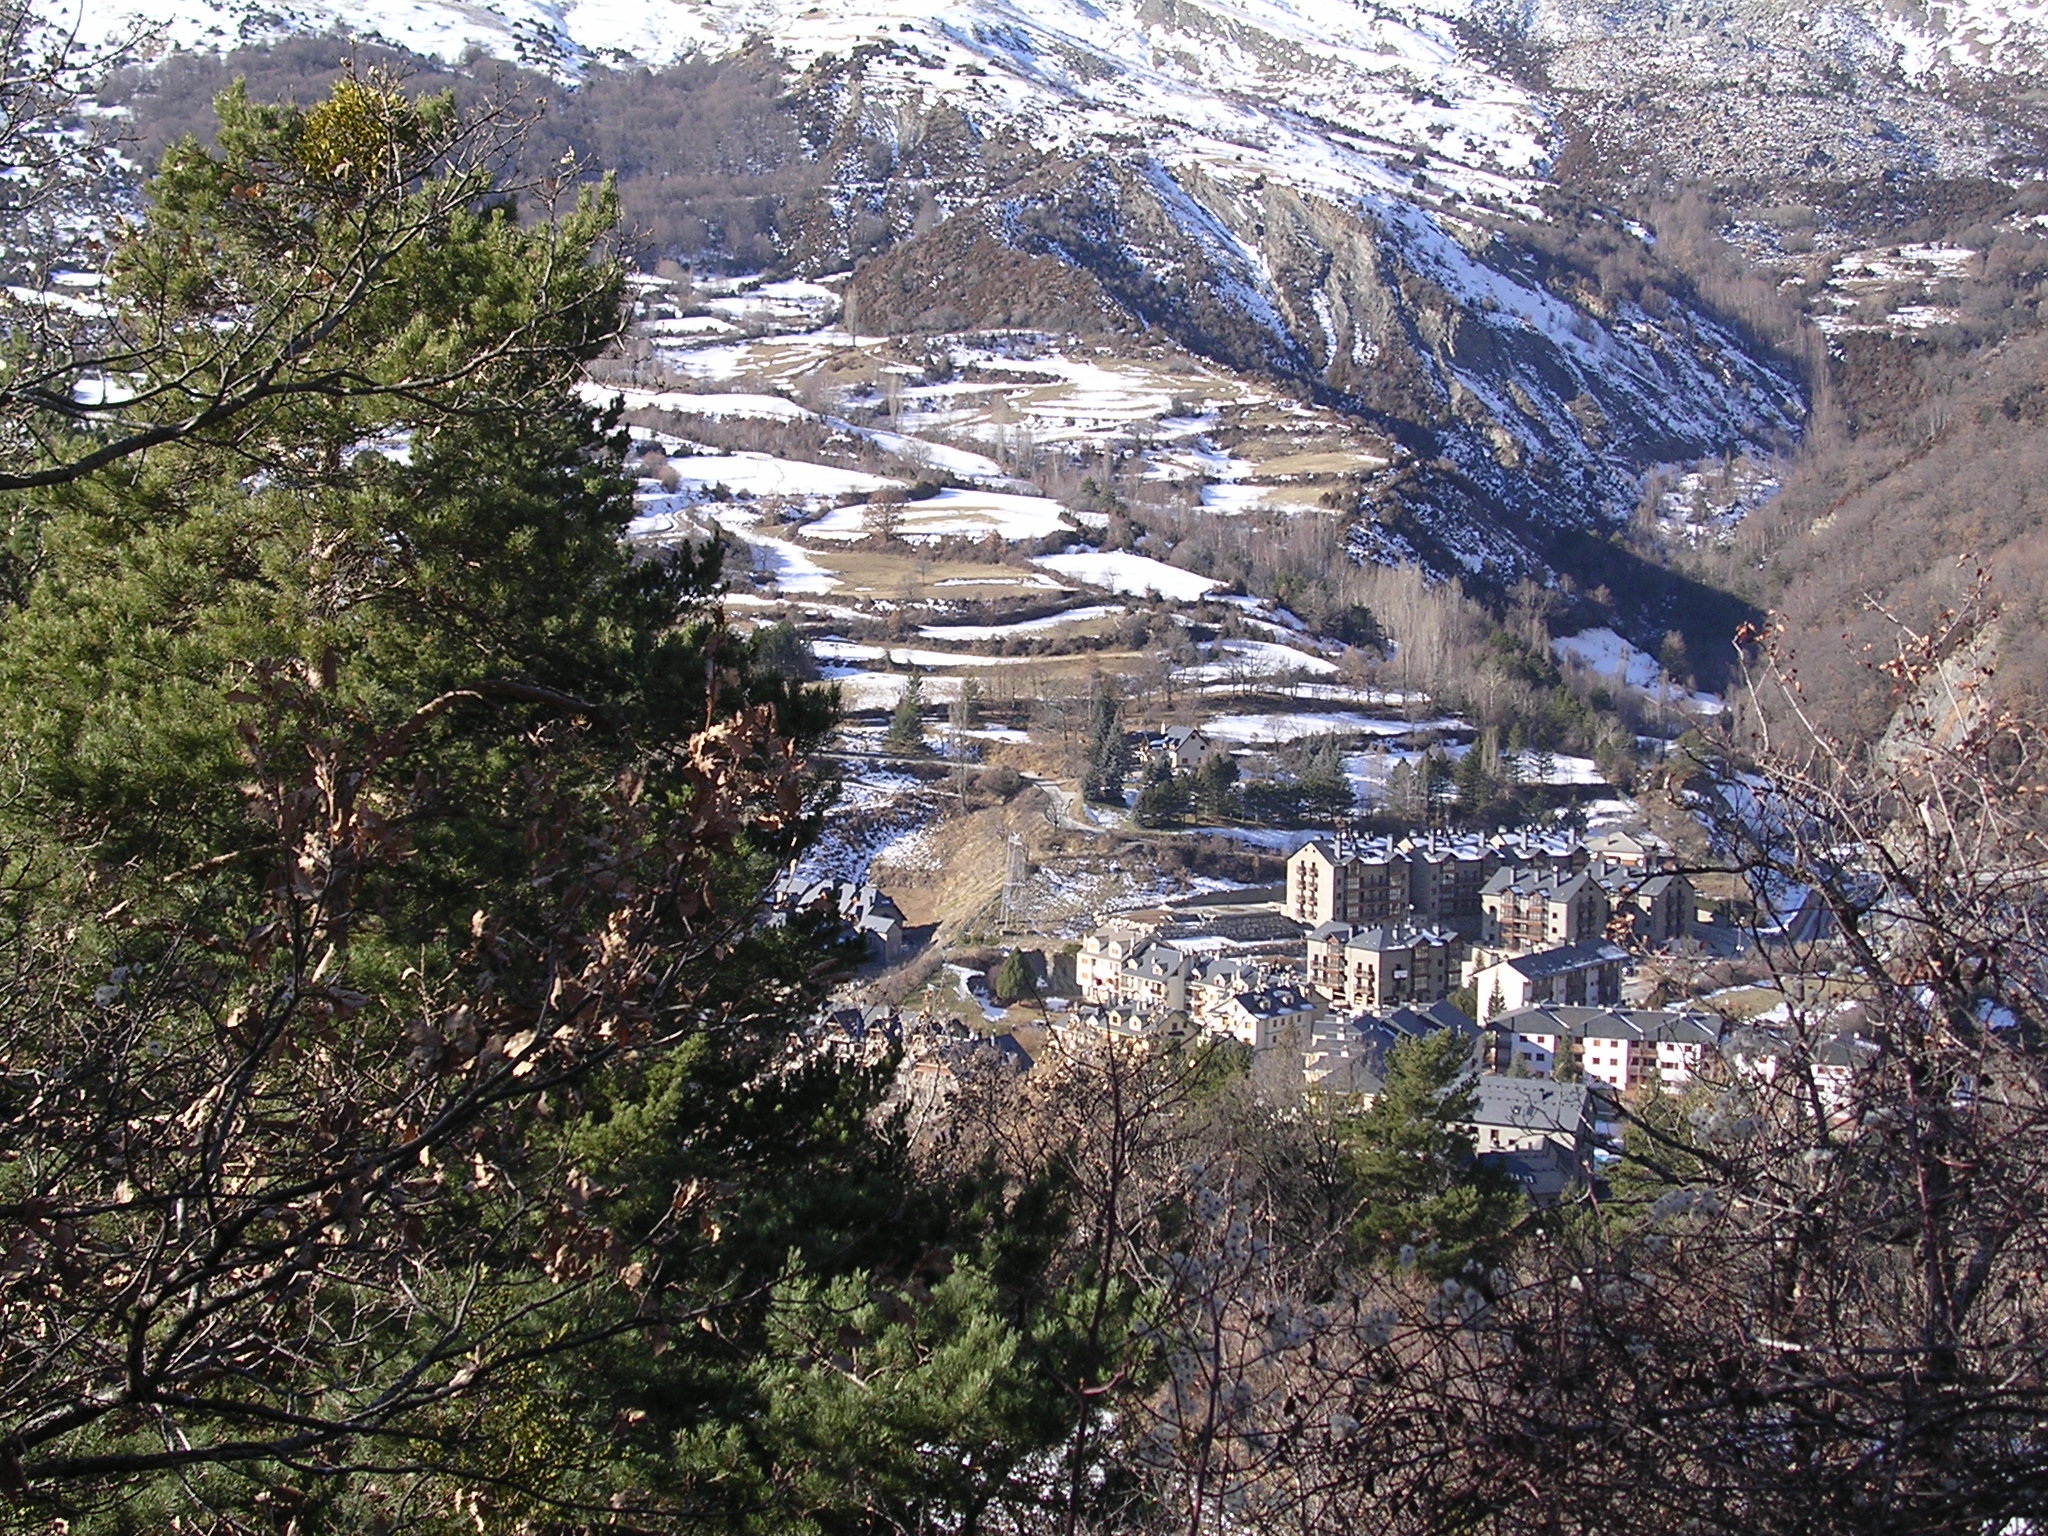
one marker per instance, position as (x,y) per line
(763,474)
(1021,627)
(1242,660)
(1134,575)
(1278,839)
(1293,727)
(1606,654)
(686,403)
(1561,770)
(788,567)
(907,656)
(1045,583)
(971,514)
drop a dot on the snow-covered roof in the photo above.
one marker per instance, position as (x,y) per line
(1566,958)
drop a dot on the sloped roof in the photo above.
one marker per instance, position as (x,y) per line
(1157,962)
(1531,1104)
(1664,1025)
(1399,936)
(1566,958)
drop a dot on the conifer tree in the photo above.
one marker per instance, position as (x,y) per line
(1108,754)
(906,724)
(1325,789)
(1475,785)
(1013,982)
(372,813)
(1424,1197)
(1214,783)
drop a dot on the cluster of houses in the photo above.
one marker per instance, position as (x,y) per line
(864,913)
(1534,928)
(1136,982)
(1376,936)
(1517,918)
(1516,942)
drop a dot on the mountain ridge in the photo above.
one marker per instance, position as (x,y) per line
(1359,200)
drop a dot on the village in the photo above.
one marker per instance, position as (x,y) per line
(1538,946)
(1132,757)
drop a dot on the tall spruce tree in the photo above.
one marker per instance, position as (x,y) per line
(1109,756)
(906,724)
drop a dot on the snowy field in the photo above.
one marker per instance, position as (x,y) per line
(1133,575)
(1242,661)
(1275,728)
(762,474)
(1531,768)
(907,655)
(1050,621)
(971,514)
(793,572)
(716,407)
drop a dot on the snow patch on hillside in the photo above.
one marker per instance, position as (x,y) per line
(1133,575)
(1022,627)
(951,514)
(1261,84)
(1608,655)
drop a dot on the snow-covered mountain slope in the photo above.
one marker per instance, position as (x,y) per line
(1341,194)
(1317,92)
(1921,39)
(1804,96)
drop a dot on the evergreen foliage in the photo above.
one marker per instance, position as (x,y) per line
(405,1122)
(1214,787)
(1109,757)
(1324,786)
(1013,981)
(1164,801)
(1424,1199)
(906,723)
(374,816)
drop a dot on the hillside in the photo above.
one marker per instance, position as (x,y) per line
(1541,251)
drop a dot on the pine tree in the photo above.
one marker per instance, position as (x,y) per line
(1432,773)
(1108,754)
(1424,1198)
(356,244)
(373,815)
(1475,785)
(1325,788)
(1214,783)
(1163,802)
(965,713)
(1013,981)
(906,725)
